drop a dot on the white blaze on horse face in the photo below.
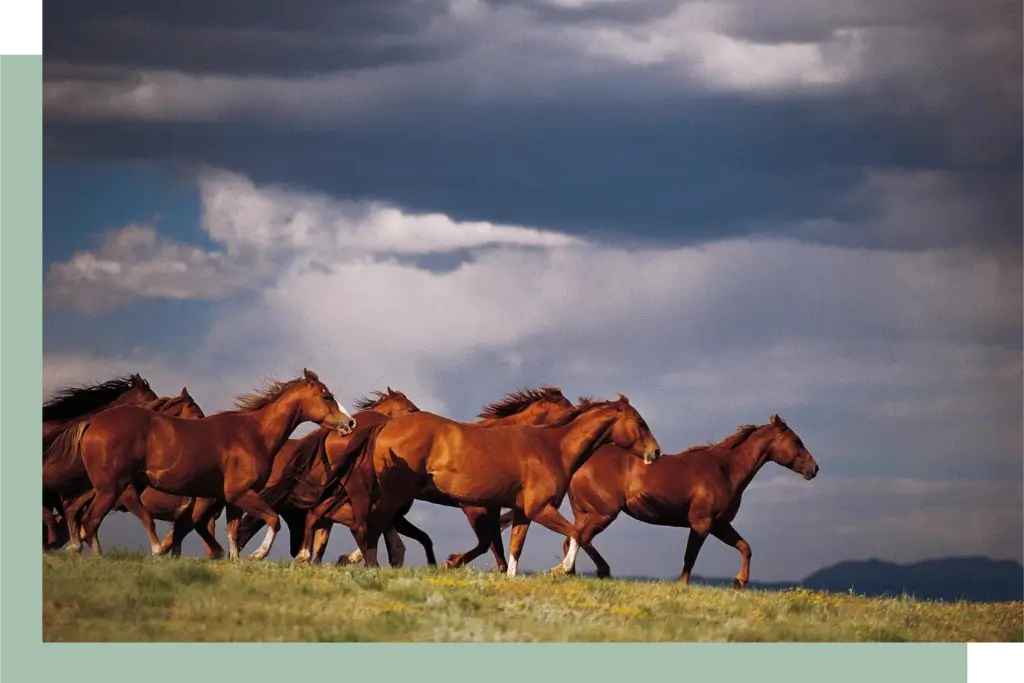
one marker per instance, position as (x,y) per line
(342,409)
(512,565)
(570,557)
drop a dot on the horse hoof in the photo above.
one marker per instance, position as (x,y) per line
(558,570)
(739,584)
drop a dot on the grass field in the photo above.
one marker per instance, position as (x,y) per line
(128,597)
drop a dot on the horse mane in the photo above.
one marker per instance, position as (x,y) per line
(586,404)
(370,401)
(518,401)
(260,398)
(161,403)
(734,440)
(77,400)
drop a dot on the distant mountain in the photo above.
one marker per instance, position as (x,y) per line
(976,579)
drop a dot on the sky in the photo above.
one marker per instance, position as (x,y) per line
(721,209)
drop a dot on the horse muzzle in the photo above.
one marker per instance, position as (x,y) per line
(651,456)
(345,427)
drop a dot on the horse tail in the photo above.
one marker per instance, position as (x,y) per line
(300,469)
(65,447)
(506,520)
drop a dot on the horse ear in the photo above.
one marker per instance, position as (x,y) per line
(623,399)
(391,392)
(310,375)
(184,392)
(775,419)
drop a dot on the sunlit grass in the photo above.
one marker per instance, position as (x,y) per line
(128,597)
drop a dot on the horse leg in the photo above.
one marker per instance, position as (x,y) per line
(396,548)
(725,533)
(497,545)
(315,519)
(398,488)
(321,536)
(100,507)
(589,525)
(233,516)
(73,514)
(131,501)
(699,529)
(520,525)
(549,516)
(251,502)
(482,525)
(410,530)
(204,521)
(180,527)
(295,520)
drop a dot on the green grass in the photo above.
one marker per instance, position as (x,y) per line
(128,597)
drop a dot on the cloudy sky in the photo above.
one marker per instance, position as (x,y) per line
(722,209)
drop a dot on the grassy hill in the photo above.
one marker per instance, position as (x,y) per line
(128,597)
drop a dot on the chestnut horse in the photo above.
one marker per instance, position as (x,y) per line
(310,463)
(526,407)
(73,404)
(226,456)
(66,481)
(525,468)
(700,488)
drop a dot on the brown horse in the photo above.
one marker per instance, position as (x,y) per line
(75,403)
(526,407)
(66,481)
(525,468)
(226,456)
(70,405)
(310,463)
(700,488)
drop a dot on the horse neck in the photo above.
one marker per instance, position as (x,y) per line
(742,462)
(580,438)
(276,422)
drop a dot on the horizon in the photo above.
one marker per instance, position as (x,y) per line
(718,211)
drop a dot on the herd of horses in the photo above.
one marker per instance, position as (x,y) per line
(119,446)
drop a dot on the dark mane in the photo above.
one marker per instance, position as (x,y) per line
(370,401)
(75,401)
(742,433)
(254,400)
(518,401)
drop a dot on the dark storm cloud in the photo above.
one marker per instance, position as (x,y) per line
(617,12)
(237,36)
(692,171)
(635,151)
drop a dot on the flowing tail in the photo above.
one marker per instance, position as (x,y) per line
(65,447)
